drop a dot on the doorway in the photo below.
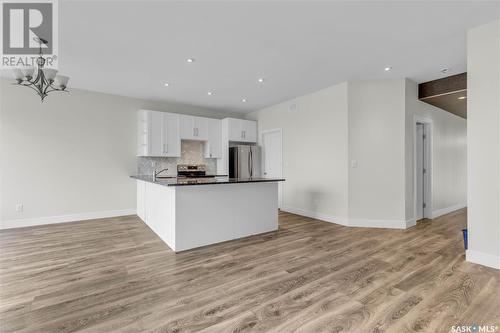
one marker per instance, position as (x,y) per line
(422,167)
(272,158)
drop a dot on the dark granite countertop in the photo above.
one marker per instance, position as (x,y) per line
(203,181)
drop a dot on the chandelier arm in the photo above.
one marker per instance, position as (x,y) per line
(35,80)
(54,87)
(31,86)
(35,87)
(60,90)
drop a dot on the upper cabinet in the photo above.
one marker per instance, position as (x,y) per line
(158,134)
(193,128)
(241,130)
(213,147)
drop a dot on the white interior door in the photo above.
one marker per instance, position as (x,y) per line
(420,170)
(272,158)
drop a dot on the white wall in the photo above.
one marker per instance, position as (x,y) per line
(369,122)
(314,151)
(71,156)
(376,142)
(483,132)
(449,155)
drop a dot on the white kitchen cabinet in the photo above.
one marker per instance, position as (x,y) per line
(193,128)
(241,130)
(170,135)
(213,146)
(201,126)
(249,129)
(158,134)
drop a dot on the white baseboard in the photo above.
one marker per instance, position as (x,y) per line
(20,223)
(315,215)
(368,223)
(411,223)
(440,212)
(363,223)
(484,259)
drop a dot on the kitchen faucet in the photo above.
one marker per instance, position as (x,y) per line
(156,173)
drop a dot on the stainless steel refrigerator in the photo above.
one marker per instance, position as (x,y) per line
(244,161)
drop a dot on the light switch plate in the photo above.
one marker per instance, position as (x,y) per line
(354,164)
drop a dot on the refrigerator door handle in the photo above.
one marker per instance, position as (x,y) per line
(251,163)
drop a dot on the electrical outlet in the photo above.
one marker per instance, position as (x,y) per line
(19,208)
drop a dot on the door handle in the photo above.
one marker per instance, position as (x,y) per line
(251,164)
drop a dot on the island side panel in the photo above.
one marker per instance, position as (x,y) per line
(159,207)
(209,214)
(141,199)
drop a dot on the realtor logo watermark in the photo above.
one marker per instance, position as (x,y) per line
(22,22)
(474,328)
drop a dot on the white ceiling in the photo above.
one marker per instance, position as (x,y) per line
(132,48)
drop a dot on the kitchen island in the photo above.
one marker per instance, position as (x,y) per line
(189,213)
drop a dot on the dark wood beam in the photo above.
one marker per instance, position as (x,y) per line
(449,93)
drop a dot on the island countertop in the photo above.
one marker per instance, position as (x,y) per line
(174,181)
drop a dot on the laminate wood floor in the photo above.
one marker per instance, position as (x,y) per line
(116,275)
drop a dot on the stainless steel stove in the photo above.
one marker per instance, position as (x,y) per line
(192,171)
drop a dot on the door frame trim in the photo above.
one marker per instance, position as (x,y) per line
(261,140)
(429,127)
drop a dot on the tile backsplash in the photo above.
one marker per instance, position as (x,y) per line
(191,153)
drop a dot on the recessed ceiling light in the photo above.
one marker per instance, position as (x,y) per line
(244,100)
(462,97)
(445,70)
(260,80)
(190,60)
(166,84)
(387,69)
(210,93)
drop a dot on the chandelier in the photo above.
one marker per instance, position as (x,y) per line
(40,79)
